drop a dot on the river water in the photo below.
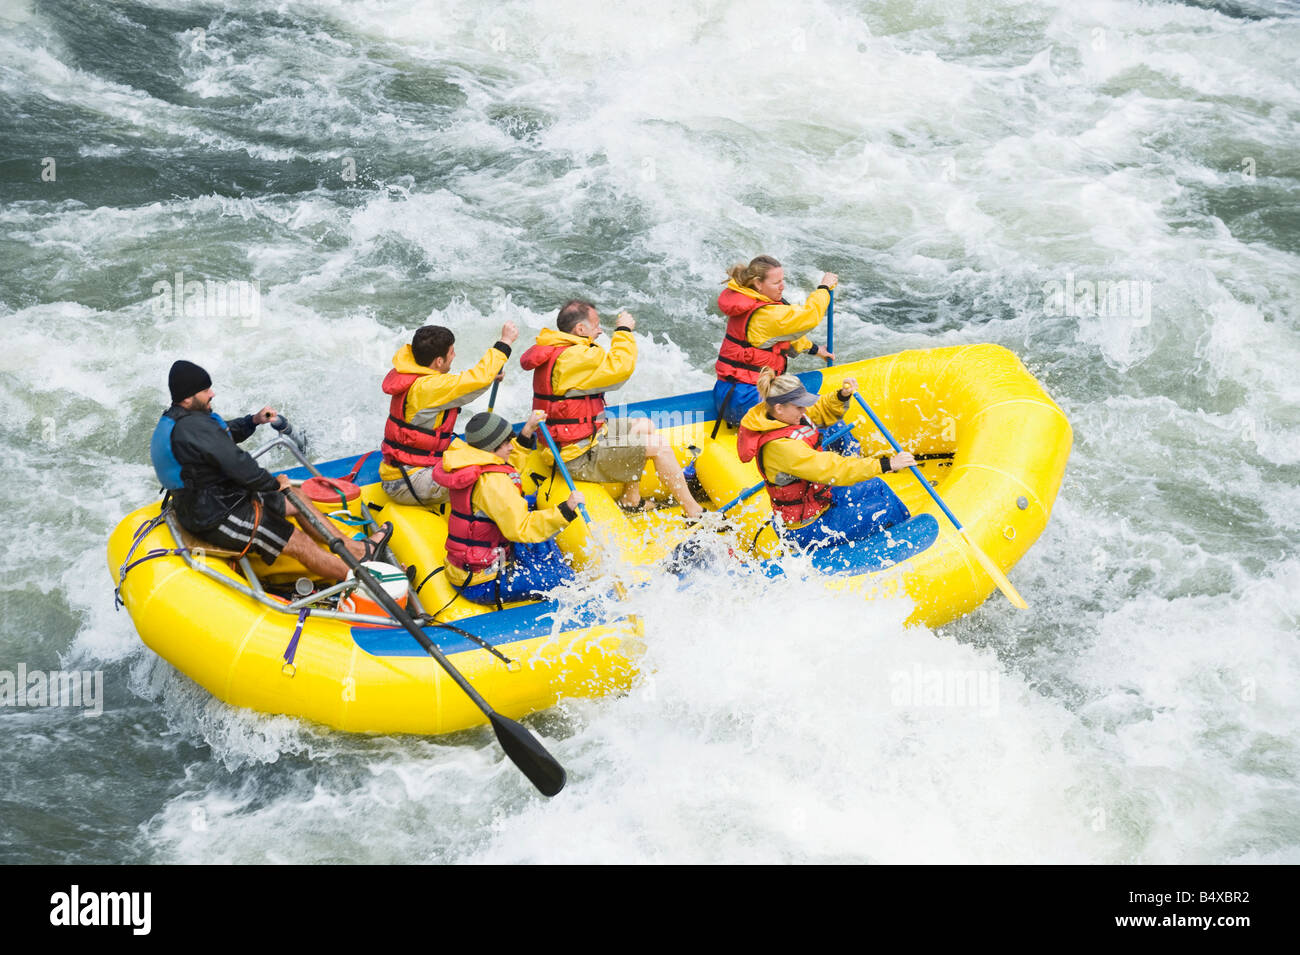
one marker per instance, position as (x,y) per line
(972,171)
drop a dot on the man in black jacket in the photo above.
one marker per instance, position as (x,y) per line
(221,493)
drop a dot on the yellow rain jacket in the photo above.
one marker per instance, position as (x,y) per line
(776,322)
(430,398)
(497,497)
(793,457)
(585,368)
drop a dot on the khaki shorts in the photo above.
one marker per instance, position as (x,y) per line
(430,491)
(617,457)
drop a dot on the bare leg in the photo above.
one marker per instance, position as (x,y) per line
(669,471)
(356,548)
(319,562)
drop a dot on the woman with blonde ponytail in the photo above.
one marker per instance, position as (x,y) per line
(767,378)
(763,330)
(819,497)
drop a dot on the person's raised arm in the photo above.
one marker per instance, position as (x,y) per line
(241,429)
(780,322)
(595,369)
(438,392)
(207,440)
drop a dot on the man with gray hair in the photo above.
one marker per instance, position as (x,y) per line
(571,374)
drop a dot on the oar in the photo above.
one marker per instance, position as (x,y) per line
(524,750)
(492,397)
(568,479)
(744,495)
(560,466)
(985,561)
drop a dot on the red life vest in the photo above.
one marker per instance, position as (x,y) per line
(406,443)
(474,542)
(738,360)
(797,501)
(569,419)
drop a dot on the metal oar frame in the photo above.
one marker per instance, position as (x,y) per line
(253,588)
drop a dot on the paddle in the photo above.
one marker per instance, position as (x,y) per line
(541,768)
(744,495)
(560,466)
(492,397)
(985,561)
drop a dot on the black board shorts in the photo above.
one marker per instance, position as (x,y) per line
(258,518)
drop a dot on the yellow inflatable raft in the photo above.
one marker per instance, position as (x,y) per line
(987,435)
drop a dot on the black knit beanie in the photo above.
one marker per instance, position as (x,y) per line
(187,379)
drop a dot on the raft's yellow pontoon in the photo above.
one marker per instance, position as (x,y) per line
(987,435)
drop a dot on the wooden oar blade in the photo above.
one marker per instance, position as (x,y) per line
(541,768)
(994,571)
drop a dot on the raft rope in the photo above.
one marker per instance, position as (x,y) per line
(431,620)
(352,475)
(428,577)
(510,664)
(769,523)
(118,602)
(257,523)
(409,486)
(347,517)
(137,538)
(722,411)
(144,528)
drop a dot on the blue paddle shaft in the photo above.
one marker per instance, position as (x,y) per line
(492,398)
(559,464)
(880,426)
(744,495)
